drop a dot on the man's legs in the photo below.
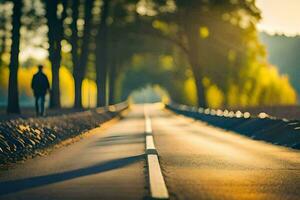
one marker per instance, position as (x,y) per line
(42,105)
(37,105)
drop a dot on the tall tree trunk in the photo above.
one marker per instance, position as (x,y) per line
(55,35)
(3,47)
(101,58)
(112,81)
(3,37)
(75,56)
(13,94)
(197,71)
(51,15)
(200,89)
(85,50)
(81,60)
(198,75)
(192,32)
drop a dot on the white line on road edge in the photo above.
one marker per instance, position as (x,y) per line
(158,188)
(148,126)
(150,142)
(148,129)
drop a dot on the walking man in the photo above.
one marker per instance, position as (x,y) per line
(40,86)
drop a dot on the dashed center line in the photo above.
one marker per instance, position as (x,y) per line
(158,188)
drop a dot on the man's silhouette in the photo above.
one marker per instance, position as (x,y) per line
(40,86)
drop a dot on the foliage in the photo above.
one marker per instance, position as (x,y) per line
(281,51)
(66,85)
(186,47)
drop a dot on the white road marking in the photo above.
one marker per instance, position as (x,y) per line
(158,188)
(148,128)
(149,142)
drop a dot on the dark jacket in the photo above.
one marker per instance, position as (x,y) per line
(40,84)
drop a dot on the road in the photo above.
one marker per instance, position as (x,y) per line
(197,162)
(108,164)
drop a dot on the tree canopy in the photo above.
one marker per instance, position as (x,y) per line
(202,52)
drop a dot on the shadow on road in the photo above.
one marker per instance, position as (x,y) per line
(32,182)
(121,139)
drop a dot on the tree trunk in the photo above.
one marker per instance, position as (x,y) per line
(198,75)
(75,56)
(55,91)
(200,89)
(192,32)
(81,60)
(3,47)
(112,80)
(85,48)
(55,35)
(78,92)
(51,10)
(101,58)
(13,93)
(3,38)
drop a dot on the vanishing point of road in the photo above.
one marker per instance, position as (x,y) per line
(190,160)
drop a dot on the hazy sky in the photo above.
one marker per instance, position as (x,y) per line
(280,16)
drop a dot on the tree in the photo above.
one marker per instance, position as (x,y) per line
(13,93)
(75,56)
(112,80)
(3,47)
(80,53)
(101,55)
(3,21)
(55,35)
(180,24)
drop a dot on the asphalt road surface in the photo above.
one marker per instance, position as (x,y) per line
(107,165)
(197,161)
